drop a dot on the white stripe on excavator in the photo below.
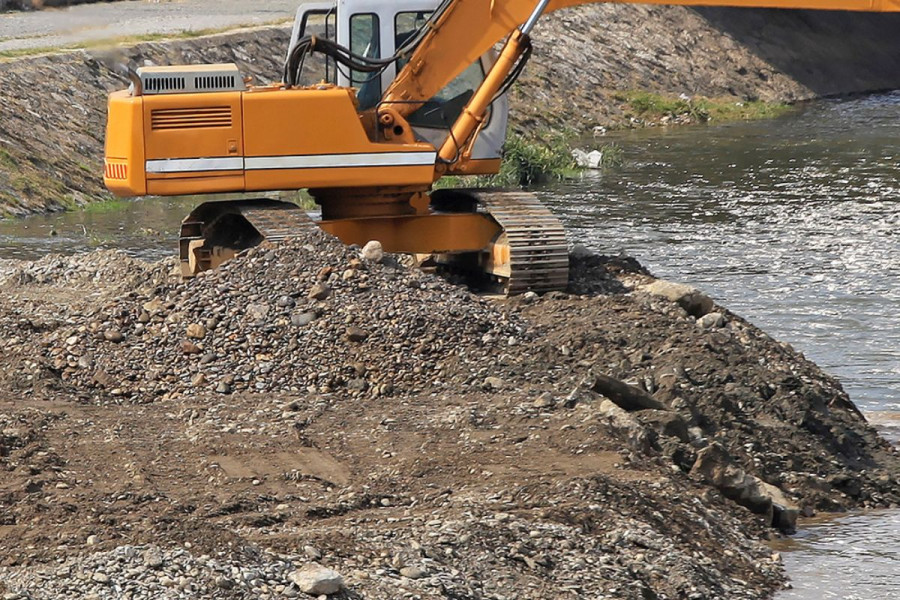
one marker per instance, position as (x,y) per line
(325,161)
(320,161)
(182,165)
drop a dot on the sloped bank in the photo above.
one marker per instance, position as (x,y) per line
(626,439)
(51,134)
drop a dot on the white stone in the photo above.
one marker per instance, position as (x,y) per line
(372,252)
(711,320)
(588,160)
(314,579)
(689,298)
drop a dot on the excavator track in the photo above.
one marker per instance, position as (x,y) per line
(216,231)
(538,252)
(530,252)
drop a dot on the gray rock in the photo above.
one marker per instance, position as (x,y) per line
(113,335)
(315,579)
(257,312)
(665,423)
(100,577)
(717,467)
(302,319)
(711,320)
(689,298)
(626,396)
(319,291)
(196,331)
(414,572)
(494,383)
(545,400)
(357,335)
(372,252)
(286,302)
(153,558)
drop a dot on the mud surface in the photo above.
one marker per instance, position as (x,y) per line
(304,405)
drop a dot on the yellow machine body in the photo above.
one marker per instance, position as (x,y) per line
(257,140)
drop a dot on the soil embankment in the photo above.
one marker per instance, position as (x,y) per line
(51,135)
(214,438)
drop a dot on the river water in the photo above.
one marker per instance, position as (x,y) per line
(793,223)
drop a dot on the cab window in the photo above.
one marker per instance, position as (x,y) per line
(442,110)
(446,106)
(365,40)
(406,24)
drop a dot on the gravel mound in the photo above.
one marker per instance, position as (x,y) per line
(308,315)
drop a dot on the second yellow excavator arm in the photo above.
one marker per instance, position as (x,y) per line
(463,30)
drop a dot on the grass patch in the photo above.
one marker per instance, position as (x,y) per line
(529,161)
(526,161)
(105,206)
(8,160)
(651,106)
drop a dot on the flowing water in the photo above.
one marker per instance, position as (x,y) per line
(793,223)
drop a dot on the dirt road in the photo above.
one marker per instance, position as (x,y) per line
(92,23)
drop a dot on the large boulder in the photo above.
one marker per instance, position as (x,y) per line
(316,580)
(689,298)
(719,469)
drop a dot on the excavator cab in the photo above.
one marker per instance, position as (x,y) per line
(378,29)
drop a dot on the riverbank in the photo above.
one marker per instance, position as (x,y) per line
(628,439)
(588,69)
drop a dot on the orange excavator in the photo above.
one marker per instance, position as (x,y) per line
(412,91)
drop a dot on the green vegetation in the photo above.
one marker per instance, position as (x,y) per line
(538,159)
(8,160)
(529,161)
(105,206)
(647,105)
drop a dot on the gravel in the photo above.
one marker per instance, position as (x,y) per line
(304,316)
(215,438)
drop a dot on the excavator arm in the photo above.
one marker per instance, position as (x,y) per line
(453,43)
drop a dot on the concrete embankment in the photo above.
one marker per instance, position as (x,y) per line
(51,134)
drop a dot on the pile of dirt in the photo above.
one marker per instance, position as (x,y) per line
(308,316)
(626,439)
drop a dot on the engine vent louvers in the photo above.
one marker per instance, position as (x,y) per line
(216,82)
(159,85)
(191,79)
(190,118)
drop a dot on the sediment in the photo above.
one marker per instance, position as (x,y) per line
(304,405)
